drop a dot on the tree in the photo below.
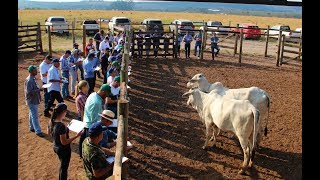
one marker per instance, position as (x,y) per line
(123,5)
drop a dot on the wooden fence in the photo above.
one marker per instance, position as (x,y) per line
(283,50)
(29,37)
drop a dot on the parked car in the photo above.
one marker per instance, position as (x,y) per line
(57,24)
(217,26)
(183,26)
(92,27)
(251,31)
(152,25)
(118,23)
(297,33)
(274,31)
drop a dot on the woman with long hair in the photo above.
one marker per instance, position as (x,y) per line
(61,140)
(81,96)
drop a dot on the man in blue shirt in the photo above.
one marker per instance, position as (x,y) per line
(198,38)
(89,71)
(65,67)
(187,39)
(179,43)
(214,45)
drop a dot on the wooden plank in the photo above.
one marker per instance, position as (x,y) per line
(228,47)
(27,26)
(279,46)
(169,49)
(117,167)
(84,40)
(25,30)
(236,43)
(30,35)
(176,40)
(241,40)
(204,33)
(291,51)
(39,38)
(300,45)
(282,47)
(73,27)
(49,41)
(27,46)
(28,41)
(267,41)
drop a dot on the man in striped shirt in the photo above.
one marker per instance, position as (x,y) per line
(65,67)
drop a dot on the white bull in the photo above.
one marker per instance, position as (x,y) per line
(257,97)
(237,116)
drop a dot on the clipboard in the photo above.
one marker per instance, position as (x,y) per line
(76,125)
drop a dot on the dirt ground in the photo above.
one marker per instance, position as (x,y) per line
(168,135)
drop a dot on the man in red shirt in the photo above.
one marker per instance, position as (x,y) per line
(89,46)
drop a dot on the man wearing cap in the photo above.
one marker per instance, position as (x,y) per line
(98,37)
(187,39)
(44,68)
(104,61)
(94,156)
(76,47)
(114,65)
(73,63)
(89,46)
(89,71)
(214,45)
(92,108)
(113,73)
(54,90)
(111,101)
(32,95)
(65,67)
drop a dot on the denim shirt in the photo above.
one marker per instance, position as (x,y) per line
(88,67)
(64,63)
(32,90)
(73,59)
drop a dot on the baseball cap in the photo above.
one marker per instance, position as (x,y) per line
(96,128)
(75,44)
(32,67)
(115,63)
(117,78)
(49,57)
(55,60)
(106,88)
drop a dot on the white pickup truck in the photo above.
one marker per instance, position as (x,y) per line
(118,23)
(216,26)
(274,31)
(57,24)
(92,27)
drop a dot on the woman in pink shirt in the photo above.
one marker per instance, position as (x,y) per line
(81,97)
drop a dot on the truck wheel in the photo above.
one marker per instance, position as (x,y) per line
(67,33)
(46,30)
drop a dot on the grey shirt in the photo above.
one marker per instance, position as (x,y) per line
(32,90)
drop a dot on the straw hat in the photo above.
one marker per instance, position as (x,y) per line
(107,114)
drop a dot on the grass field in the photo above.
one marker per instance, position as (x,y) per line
(31,17)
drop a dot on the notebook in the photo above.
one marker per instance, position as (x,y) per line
(111,159)
(76,125)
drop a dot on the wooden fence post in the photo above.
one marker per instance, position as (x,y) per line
(39,40)
(236,42)
(73,27)
(229,23)
(300,46)
(100,25)
(84,40)
(241,40)
(49,40)
(267,41)
(279,46)
(204,40)
(283,38)
(117,170)
(176,40)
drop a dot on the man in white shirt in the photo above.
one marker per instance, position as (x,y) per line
(111,101)
(54,90)
(113,73)
(104,44)
(44,68)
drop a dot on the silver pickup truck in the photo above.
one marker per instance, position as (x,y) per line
(57,24)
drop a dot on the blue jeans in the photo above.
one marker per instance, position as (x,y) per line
(46,96)
(195,49)
(65,86)
(213,47)
(33,118)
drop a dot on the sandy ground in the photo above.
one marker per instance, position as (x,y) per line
(168,135)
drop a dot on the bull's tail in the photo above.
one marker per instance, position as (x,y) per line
(268,103)
(256,123)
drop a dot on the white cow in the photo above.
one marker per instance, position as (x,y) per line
(237,116)
(258,97)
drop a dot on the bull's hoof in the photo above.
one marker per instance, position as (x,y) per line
(242,172)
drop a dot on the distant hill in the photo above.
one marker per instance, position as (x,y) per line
(201,7)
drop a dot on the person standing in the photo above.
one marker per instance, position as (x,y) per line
(111,39)
(104,61)
(166,42)
(65,67)
(198,38)
(73,62)
(92,109)
(112,101)
(113,74)
(81,96)
(32,95)
(89,71)
(147,43)
(139,38)
(54,89)
(98,37)
(80,67)
(179,43)
(44,68)
(187,39)
(214,45)
(61,140)
(89,46)
(156,43)
(104,44)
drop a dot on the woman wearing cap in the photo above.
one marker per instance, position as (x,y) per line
(81,97)
(61,140)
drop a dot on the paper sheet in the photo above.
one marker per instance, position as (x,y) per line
(115,123)
(97,68)
(111,159)
(129,144)
(47,85)
(129,73)
(76,126)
